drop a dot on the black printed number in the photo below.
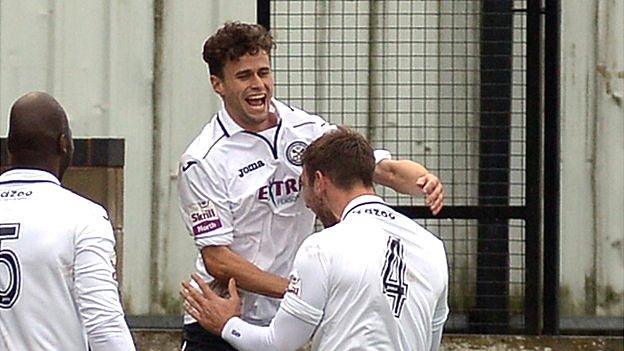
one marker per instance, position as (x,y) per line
(393,275)
(9,291)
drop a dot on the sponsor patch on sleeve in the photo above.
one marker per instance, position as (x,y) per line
(204,217)
(294,284)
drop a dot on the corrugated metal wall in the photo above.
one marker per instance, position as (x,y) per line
(592,158)
(97,58)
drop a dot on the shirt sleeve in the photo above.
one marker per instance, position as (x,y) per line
(299,313)
(439,318)
(204,205)
(96,289)
(381,155)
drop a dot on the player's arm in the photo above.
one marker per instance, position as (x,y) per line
(408,177)
(404,176)
(439,318)
(299,314)
(96,290)
(223,264)
(206,212)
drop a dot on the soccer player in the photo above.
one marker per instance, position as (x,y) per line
(57,285)
(238,181)
(374,281)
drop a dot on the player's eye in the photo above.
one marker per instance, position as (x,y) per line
(243,75)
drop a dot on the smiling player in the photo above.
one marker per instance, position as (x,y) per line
(239,179)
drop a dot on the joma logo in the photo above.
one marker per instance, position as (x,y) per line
(249,168)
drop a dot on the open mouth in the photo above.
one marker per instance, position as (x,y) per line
(257,100)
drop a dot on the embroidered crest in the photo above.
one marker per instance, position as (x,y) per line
(294,152)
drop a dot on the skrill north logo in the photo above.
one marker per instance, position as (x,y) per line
(204,217)
(207,226)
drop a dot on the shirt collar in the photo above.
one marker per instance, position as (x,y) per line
(361,200)
(28,175)
(230,127)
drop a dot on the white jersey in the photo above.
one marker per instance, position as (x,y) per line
(241,189)
(57,285)
(375,281)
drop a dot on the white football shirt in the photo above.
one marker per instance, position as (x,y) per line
(241,189)
(57,284)
(375,281)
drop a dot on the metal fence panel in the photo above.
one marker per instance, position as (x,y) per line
(443,83)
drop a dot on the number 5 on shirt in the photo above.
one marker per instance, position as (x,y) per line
(10,292)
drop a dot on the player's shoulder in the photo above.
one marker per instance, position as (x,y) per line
(297,117)
(423,236)
(80,205)
(211,134)
(336,236)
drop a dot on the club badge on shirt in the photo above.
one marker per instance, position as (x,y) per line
(204,217)
(294,152)
(294,284)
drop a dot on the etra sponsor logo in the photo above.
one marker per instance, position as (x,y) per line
(280,191)
(204,217)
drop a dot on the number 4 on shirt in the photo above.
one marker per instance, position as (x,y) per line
(10,292)
(393,275)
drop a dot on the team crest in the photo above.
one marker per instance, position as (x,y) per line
(294,152)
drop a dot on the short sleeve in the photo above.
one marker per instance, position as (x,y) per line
(203,204)
(381,155)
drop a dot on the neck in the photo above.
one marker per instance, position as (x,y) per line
(341,198)
(43,165)
(269,122)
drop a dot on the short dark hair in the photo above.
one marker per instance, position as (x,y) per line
(343,155)
(234,40)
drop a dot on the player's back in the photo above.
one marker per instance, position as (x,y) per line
(387,281)
(43,226)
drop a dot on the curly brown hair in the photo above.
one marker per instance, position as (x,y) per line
(342,154)
(233,40)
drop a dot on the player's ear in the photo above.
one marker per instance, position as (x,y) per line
(217,84)
(319,181)
(63,144)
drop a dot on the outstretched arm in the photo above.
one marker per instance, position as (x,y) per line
(409,177)
(291,327)
(300,312)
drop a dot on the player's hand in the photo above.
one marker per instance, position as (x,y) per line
(210,310)
(433,189)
